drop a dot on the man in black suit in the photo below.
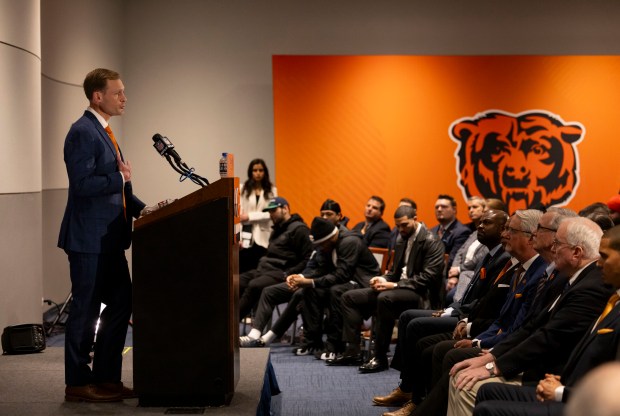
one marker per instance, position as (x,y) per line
(413,282)
(599,345)
(543,344)
(375,231)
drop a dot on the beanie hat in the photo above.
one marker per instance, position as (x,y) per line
(321,230)
(331,205)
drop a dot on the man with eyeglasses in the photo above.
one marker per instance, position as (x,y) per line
(544,344)
(599,345)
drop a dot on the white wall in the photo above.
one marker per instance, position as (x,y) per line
(199,71)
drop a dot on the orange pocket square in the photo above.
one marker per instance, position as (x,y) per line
(604,331)
(518,295)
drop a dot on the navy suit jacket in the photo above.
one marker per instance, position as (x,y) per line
(94,221)
(514,309)
(453,238)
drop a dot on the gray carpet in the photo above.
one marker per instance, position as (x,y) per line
(33,384)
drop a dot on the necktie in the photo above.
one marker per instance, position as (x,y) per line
(543,283)
(507,267)
(517,277)
(610,305)
(440,231)
(118,152)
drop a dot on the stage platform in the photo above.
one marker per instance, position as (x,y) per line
(33,384)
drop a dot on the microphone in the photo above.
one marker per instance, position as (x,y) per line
(165,147)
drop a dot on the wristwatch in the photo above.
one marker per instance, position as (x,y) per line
(491,367)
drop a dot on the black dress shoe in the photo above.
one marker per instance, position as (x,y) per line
(345,359)
(374,365)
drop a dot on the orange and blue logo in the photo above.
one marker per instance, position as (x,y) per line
(526,160)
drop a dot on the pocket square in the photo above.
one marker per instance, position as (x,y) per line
(502,285)
(604,331)
(518,295)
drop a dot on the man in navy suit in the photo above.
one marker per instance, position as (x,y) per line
(95,232)
(451,231)
(599,345)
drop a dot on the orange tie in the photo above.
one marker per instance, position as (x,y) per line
(610,305)
(118,152)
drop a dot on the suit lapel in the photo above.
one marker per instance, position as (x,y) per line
(608,322)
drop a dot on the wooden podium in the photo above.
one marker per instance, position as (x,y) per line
(185,300)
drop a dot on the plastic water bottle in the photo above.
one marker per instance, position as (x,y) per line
(224,165)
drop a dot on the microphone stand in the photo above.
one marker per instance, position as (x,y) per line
(186,172)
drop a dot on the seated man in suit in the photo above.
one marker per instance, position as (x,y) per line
(450,230)
(544,344)
(375,231)
(413,282)
(599,345)
(469,255)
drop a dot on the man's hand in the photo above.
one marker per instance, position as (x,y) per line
(463,343)
(475,362)
(437,314)
(300,281)
(545,391)
(460,331)
(453,272)
(291,281)
(124,168)
(380,283)
(467,378)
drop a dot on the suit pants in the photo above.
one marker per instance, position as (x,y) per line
(436,401)
(413,326)
(96,279)
(496,399)
(462,402)
(388,305)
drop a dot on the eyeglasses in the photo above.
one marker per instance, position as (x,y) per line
(516,230)
(557,244)
(540,227)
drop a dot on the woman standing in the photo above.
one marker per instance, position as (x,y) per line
(255,194)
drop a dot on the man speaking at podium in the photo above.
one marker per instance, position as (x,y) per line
(95,232)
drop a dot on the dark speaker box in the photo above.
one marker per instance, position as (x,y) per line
(23,339)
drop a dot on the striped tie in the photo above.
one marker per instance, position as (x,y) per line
(118,152)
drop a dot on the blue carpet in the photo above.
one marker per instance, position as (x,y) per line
(309,387)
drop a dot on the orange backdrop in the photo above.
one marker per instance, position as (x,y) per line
(347,127)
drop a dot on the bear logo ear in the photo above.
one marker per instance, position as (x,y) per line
(526,160)
(463,131)
(571,134)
